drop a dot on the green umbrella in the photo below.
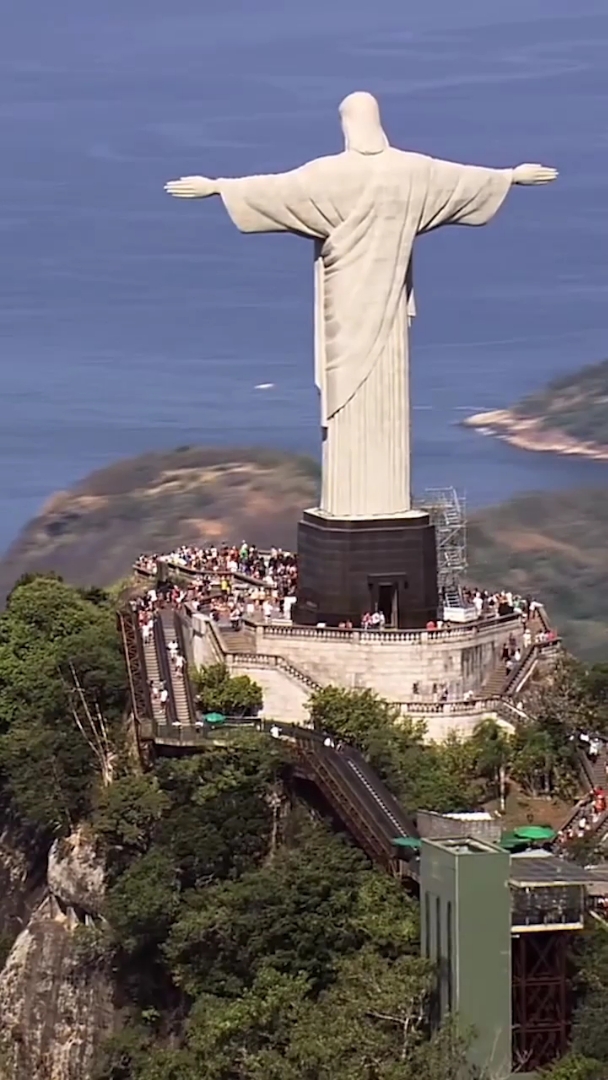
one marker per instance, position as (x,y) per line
(509,841)
(215,718)
(412,843)
(536,832)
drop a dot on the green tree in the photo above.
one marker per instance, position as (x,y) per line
(422,775)
(232,695)
(575,1067)
(491,749)
(294,914)
(353,715)
(60,654)
(143,903)
(126,814)
(590,1027)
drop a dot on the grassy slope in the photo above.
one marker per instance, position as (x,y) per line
(576,404)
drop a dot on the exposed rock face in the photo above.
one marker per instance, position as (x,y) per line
(75,875)
(22,880)
(55,992)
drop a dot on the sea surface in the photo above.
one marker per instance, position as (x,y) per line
(129,321)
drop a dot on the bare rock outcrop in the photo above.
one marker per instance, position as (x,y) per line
(56,992)
(22,880)
(75,874)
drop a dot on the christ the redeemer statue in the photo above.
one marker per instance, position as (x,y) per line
(364,209)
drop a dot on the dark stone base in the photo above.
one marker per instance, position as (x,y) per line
(348,567)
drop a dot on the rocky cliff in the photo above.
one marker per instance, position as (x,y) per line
(56,995)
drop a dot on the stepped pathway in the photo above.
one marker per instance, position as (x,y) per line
(238,641)
(593,774)
(597,769)
(153,675)
(167,619)
(495,684)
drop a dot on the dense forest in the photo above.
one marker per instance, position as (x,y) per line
(247,939)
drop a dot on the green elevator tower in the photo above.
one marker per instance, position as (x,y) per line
(466,931)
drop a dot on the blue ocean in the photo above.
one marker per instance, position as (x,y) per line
(129,321)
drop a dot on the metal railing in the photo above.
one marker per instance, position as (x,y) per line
(181,641)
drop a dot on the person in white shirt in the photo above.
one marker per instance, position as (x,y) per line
(179,664)
(164,697)
(274,731)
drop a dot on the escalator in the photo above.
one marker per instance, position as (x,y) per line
(179,683)
(349,785)
(358,797)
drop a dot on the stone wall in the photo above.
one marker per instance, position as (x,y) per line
(284,696)
(402,666)
(394,664)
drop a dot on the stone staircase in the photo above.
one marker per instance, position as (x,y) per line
(493,686)
(238,641)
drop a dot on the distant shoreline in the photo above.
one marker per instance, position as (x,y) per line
(530,433)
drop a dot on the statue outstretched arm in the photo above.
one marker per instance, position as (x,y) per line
(533,175)
(192,187)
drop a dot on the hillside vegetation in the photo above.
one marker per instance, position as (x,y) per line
(93,533)
(243,938)
(550,545)
(576,404)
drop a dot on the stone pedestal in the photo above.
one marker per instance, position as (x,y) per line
(349,566)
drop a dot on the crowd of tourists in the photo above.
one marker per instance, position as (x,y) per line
(276,568)
(231,582)
(492,604)
(228,582)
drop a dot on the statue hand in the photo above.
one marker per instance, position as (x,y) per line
(192,187)
(534,174)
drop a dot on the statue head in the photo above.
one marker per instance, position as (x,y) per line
(361,125)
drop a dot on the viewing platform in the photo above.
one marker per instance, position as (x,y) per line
(235,606)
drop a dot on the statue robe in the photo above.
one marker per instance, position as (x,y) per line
(364,212)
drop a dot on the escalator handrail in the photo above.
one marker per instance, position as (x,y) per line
(181,641)
(355,789)
(383,793)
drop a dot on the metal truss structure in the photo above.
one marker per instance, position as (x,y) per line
(541,998)
(447,510)
(136,671)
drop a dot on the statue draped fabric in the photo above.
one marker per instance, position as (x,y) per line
(364,208)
